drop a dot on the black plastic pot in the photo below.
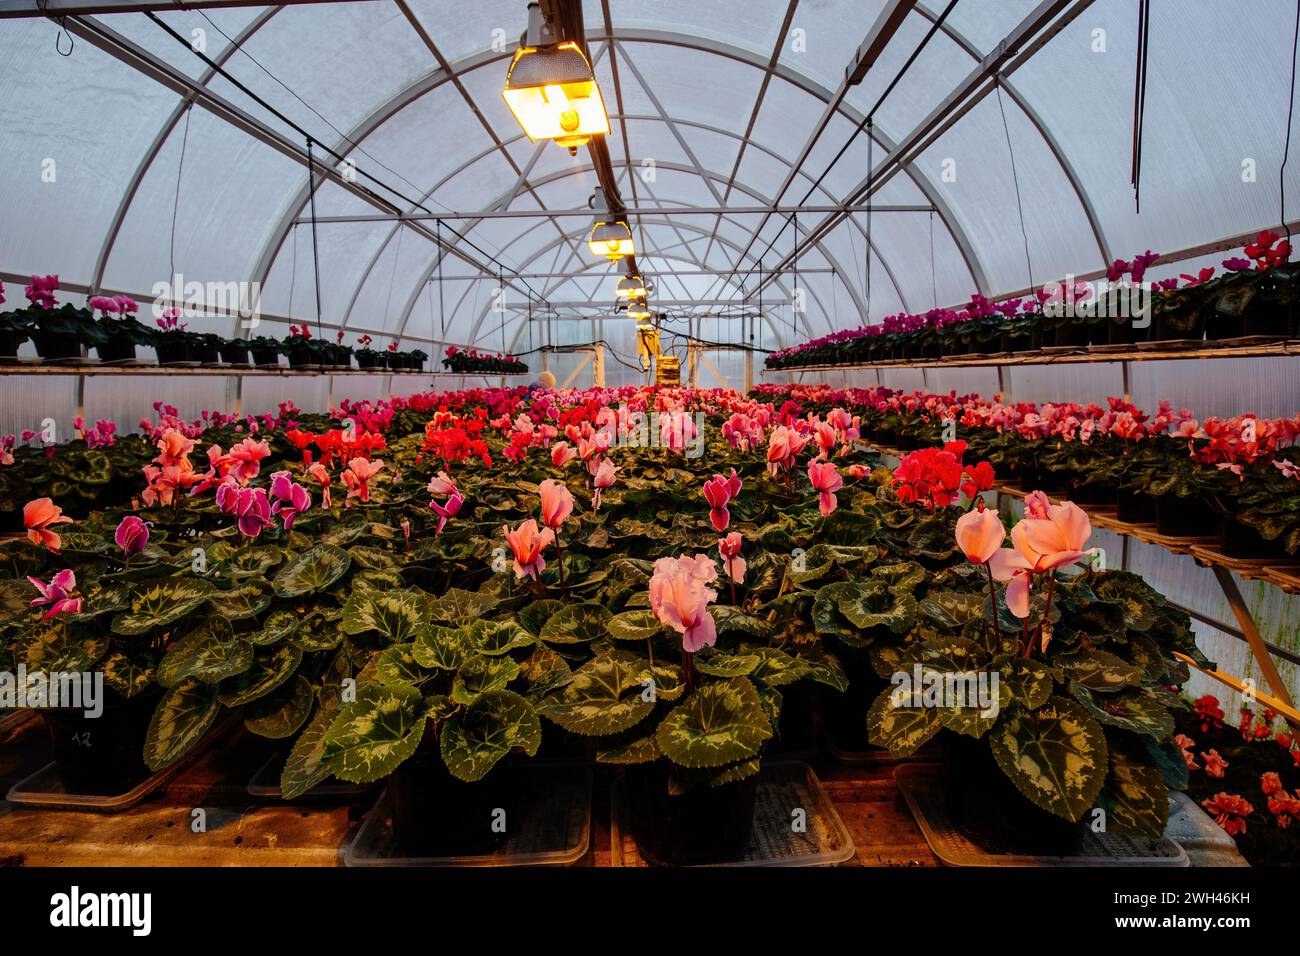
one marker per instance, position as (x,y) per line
(844,716)
(56,346)
(1135,507)
(173,353)
(102,755)
(436,814)
(992,812)
(1180,517)
(302,359)
(208,354)
(1125,333)
(119,348)
(1015,343)
(9,343)
(369,362)
(1092,493)
(1242,541)
(703,825)
(265,357)
(1221,325)
(1187,322)
(235,353)
(1071,333)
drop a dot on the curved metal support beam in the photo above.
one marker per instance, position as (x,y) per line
(1067,167)
(146,161)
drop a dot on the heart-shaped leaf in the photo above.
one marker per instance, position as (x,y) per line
(397,616)
(634,626)
(895,723)
(496,723)
(370,737)
(210,653)
(721,722)
(161,604)
(495,638)
(444,648)
(280,713)
(179,722)
(313,570)
(1056,755)
(271,668)
(240,603)
(576,624)
(478,675)
(1131,709)
(458,606)
(606,695)
(305,768)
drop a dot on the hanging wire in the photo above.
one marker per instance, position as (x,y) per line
(1140,98)
(1286,146)
(63,31)
(442,308)
(1015,181)
(934,286)
(794,265)
(871,169)
(315,252)
(293,266)
(392,276)
(176,203)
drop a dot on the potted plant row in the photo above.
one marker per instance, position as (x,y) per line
(472,360)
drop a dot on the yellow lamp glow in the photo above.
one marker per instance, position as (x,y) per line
(630,287)
(613,240)
(638,311)
(554,95)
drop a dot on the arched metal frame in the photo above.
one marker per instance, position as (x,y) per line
(600,41)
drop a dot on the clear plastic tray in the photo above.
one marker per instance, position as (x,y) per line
(923,788)
(44,788)
(782,785)
(266,784)
(556,830)
(11,720)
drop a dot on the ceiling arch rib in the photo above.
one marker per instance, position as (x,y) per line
(690,227)
(400,100)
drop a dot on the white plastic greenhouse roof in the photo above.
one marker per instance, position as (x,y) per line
(711,104)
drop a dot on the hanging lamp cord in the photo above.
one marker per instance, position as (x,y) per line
(871,169)
(315,251)
(1140,99)
(1286,145)
(1015,182)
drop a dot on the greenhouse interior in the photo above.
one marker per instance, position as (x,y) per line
(595,434)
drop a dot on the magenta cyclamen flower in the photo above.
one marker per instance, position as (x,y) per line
(717,492)
(249,505)
(58,594)
(131,536)
(291,498)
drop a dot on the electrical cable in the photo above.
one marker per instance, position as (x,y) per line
(1286,146)
(176,203)
(1015,181)
(315,252)
(1140,99)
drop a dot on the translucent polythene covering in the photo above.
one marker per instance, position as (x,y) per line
(711,104)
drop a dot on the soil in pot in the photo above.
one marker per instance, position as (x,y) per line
(54,347)
(992,812)
(1180,517)
(436,814)
(703,825)
(103,755)
(1135,507)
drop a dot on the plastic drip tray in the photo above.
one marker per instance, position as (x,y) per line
(555,829)
(923,787)
(782,787)
(45,790)
(266,784)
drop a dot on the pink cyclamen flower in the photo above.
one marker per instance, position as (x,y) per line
(357,477)
(1055,540)
(321,474)
(562,453)
(729,549)
(680,598)
(602,478)
(442,485)
(292,498)
(38,515)
(526,544)
(1009,566)
(718,491)
(131,535)
(58,594)
(825,478)
(447,511)
(979,535)
(247,455)
(557,503)
(250,507)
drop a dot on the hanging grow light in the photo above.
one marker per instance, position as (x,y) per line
(613,240)
(638,310)
(630,287)
(551,89)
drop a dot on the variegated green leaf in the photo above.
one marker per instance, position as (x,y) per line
(305,768)
(240,603)
(576,624)
(271,667)
(370,737)
(313,570)
(1131,709)
(720,723)
(444,648)
(634,626)
(458,606)
(210,653)
(161,604)
(495,638)
(397,616)
(478,675)
(1056,755)
(280,713)
(496,723)
(893,722)
(606,695)
(181,719)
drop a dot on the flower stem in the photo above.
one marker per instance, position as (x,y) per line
(559,548)
(993,598)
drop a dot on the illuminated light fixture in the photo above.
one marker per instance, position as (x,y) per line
(613,240)
(552,90)
(630,287)
(638,310)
